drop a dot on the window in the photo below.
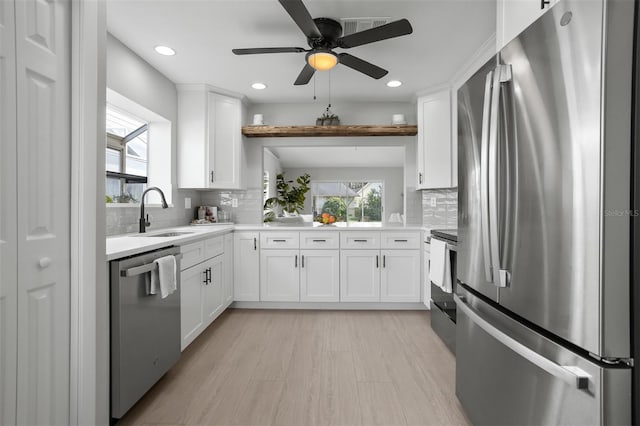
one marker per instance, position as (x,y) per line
(265,186)
(359,201)
(126,156)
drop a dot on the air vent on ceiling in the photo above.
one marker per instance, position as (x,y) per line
(354,25)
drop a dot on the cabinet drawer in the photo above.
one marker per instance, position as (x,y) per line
(360,240)
(279,240)
(320,240)
(401,240)
(213,247)
(192,254)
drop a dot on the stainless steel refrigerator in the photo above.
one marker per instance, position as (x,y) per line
(546,303)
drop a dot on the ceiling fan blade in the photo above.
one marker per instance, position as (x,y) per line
(257,50)
(305,75)
(299,13)
(383,32)
(364,67)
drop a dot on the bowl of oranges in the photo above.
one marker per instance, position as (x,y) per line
(326,219)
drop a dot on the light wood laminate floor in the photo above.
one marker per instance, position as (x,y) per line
(270,367)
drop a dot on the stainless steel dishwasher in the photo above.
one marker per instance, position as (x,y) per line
(145,329)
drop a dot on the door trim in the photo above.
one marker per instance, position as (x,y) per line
(89,363)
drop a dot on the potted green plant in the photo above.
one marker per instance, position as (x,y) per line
(290,197)
(328,118)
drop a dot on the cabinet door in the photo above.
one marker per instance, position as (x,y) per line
(43,63)
(228,269)
(191,293)
(513,17)
(213,290)
(8,218)
(360,276)
(225,141)
(435,151)
(279,276)
(246,269)
(400,276)
(426,282)
(320,275)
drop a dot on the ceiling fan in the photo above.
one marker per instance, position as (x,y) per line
(324,35)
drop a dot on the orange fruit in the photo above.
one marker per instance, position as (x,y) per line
(332,219)
(325,215)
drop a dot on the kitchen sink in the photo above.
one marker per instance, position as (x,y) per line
(165,234)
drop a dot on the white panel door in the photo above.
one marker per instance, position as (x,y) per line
(44,157)
(246,266)
(191,293)
(320,275)
(359,276)
(213,290)
(228,269)
(225,141)
(8,218)
(279,276)
(400,276)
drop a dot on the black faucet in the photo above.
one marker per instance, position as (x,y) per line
(144,221)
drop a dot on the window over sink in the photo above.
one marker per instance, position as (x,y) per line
(138,152)
(349,201)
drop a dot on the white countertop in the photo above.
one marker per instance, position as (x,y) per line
(119,246)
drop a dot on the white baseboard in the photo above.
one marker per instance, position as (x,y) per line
(352,306)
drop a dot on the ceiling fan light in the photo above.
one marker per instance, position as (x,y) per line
(322,61)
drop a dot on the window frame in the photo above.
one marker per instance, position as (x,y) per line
(346,182)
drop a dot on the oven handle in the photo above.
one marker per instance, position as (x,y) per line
(569,374)
(139,270)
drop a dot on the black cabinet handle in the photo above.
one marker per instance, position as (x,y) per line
(206,276)
(400,241)
(279,241)
(303,260)
(377,264)
(255,243)
(319,241)
(544,3)
(296,262)
(384,261)
(360,241)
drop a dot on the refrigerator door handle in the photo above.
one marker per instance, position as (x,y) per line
(569,374)
(502,74)
(484,178)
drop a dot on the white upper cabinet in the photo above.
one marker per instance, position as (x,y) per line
(436,154)
(210,153)
(513,16)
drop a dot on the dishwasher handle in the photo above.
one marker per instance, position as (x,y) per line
(143,269)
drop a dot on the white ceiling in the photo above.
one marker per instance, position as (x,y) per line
(203,32)
(339,156)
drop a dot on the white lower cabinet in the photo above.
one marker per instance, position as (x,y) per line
(319,276)
(191,309)
(279,275)
(400,276)
(201,288)
(360,276)
(227,282)
(246,269)
(213,289)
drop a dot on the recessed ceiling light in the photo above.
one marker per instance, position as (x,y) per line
(259,86)
(394,83)
(165,50)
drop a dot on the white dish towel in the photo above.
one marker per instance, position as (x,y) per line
(163,278)
(440,265)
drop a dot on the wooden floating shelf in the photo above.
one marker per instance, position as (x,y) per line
(316,131)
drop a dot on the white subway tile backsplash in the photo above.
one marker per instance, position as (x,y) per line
(445,212)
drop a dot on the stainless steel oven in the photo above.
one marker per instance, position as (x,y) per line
(443,307)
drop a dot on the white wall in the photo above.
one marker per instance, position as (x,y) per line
(299,114)
(273,167)
(393,178)
(134,79)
